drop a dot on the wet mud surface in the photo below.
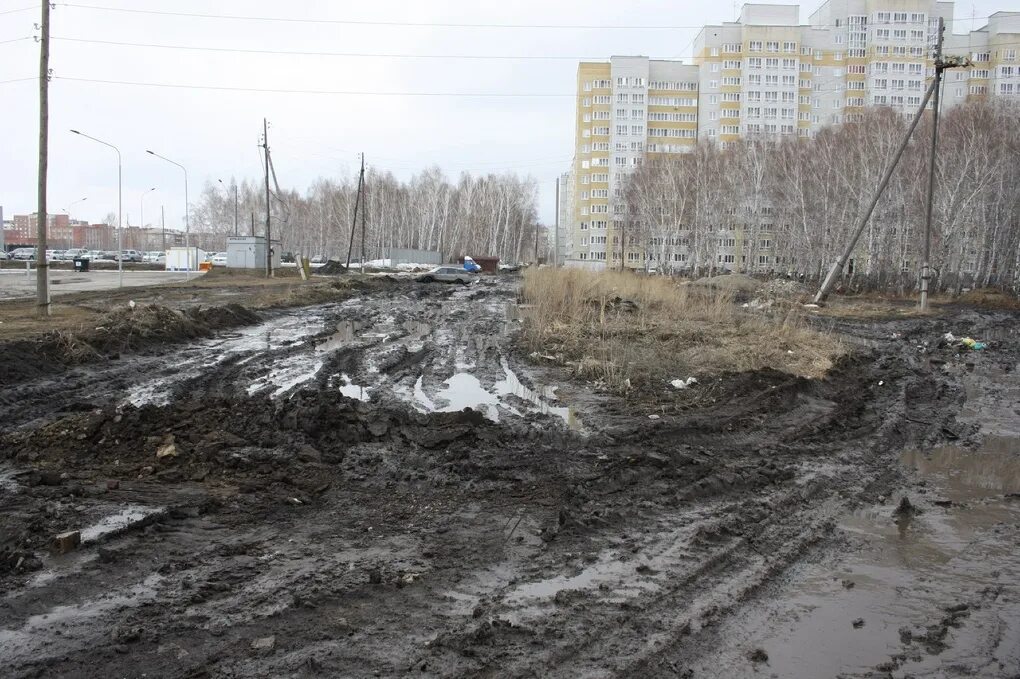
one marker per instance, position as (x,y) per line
(304,495)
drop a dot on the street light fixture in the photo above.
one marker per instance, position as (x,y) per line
(187,223)
(120,206)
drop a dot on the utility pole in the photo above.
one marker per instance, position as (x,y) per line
(162,225)
(556,234)
(357,202)
(940,65)
(235,208)
(925,260)
(364,210)
(269,240)
(536,243)
(41,264)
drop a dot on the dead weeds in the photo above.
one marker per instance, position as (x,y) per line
(630,331)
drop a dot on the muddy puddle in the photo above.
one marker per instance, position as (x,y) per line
(465,390)
(930,592)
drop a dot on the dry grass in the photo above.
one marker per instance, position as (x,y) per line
(631,331)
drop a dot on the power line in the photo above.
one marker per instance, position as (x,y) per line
(7,42)
(355,22)
(331,54)
(23,9)
(499,95)
(18,80)
(433,24)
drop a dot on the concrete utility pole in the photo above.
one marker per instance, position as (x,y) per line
(162,226)
(41,264)
(364,210)
(357,202)
(269,240)
(940,65)
(925,260)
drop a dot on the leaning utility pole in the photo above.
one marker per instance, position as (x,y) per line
(41,263)
(357,202)
(940,65)
(925,261)
(269,240)
(364,210)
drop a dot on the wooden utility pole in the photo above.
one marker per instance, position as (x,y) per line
(41,263)
(269,239)
(925,260)
(357,202)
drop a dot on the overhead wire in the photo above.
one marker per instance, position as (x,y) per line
(22,9)
(428,24)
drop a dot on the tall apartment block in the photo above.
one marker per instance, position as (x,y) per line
(764,75)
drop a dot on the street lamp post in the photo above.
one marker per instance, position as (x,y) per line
(120,207)
(187,223)
(141,210)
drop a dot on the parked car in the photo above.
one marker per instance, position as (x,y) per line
(130,256)
(219,259)
(287,258)
(23,254)
(154,256)
(77,253)
(448,274)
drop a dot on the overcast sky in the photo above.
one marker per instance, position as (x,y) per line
(214,133)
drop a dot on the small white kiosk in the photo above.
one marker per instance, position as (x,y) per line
(249,252)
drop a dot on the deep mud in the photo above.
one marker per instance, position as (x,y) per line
(304,496)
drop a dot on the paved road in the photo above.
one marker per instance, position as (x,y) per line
(15,284)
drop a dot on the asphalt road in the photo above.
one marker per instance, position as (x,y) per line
(16,284)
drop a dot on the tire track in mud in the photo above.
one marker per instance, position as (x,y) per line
(526,550)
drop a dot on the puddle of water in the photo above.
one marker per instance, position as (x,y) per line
(512,385)
(7,482)
(906,576)
(287,374)
(70,620)
(421,397)
(346,331)
(120,521)
(463,390)
(351,390)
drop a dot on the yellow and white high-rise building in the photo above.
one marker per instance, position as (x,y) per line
(763,75)
(626,108)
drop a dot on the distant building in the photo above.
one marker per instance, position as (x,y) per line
(764,75)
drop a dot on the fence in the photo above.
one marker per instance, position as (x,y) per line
(409,256)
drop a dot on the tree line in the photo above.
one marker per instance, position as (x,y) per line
(493,214)
(788,206)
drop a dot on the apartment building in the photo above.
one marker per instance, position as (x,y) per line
(994,51)
(763,75)
(626,108)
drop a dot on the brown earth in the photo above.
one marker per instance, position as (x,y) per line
(285,497)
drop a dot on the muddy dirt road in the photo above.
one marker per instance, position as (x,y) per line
(305,496)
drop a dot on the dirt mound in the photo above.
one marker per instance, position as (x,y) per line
(331,268)
(122,330)
(233,437)
(735,283)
